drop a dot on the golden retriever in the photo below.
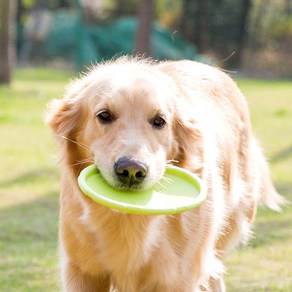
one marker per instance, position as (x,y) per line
(131,117)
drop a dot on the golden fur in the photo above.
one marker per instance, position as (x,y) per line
(207,131)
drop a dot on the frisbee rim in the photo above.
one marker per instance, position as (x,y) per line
(130,208)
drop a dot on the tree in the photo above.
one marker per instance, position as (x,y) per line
(203,26)
(143,36)
(242,31)
(7,46)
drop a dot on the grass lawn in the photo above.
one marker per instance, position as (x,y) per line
(30,179)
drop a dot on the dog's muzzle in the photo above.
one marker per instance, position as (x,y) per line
(130,171)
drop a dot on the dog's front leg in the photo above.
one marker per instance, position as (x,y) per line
(76,281)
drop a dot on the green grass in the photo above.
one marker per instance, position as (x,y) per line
(30,180)
(28,183)
(266,264)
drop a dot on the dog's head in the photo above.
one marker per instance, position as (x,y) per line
(123,117)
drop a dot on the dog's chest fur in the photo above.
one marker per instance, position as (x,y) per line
(127,245)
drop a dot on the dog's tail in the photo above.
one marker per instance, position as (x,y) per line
(268,194)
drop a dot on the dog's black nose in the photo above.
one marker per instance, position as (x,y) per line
(130,171)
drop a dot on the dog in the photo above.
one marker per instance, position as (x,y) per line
(131,117)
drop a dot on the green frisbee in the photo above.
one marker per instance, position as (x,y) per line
(178,191)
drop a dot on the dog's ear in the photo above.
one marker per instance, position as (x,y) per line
(60,117)
(67,114)
(189,144)
(63,117)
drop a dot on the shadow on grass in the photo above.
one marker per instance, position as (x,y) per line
(28,245)
(281,155)
(271,226)
(29,176)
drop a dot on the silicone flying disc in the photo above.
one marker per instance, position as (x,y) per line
(178,191)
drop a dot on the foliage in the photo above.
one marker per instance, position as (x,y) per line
(28,4)
(282,29)
(236,32)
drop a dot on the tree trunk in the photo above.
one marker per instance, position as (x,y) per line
(203,26)
(186,26)
(7,39)
(241,39)
(143,36)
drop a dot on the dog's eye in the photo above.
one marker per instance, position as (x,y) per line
(158,122)
(105,117)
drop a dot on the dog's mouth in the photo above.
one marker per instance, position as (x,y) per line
(128,173)
(131,187)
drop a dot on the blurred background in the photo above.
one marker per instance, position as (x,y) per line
(45,43)
(252,36)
